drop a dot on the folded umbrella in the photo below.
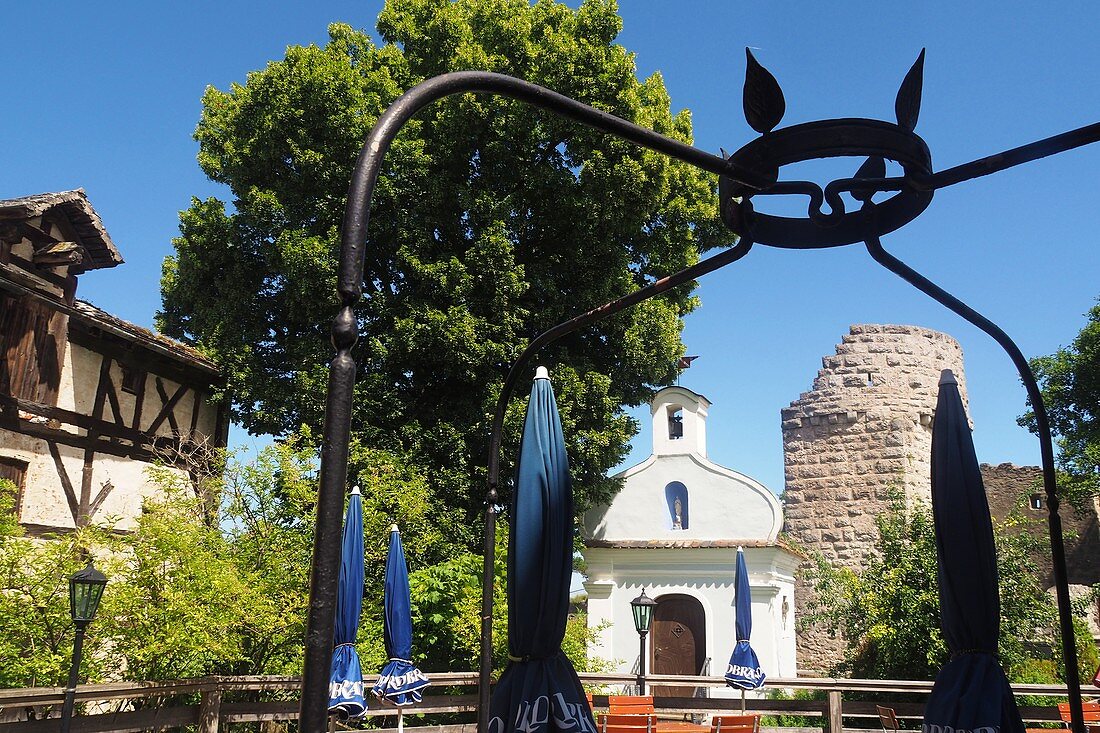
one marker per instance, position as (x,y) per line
(539,691)
(400,683)
(971,692)
(346,676)
(744,670)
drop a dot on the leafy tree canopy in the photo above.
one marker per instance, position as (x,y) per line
(889,613)
(491,222)
(187,597)
(1070,383)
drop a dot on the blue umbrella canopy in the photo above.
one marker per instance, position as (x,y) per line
(400,682)
(346,677)
(539,691)
(744,668)
(971,691)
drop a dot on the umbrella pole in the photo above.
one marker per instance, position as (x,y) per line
(400,720)
(742,701)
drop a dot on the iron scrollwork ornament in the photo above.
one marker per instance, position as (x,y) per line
(845,137)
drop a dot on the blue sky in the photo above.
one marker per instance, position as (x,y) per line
(105,96)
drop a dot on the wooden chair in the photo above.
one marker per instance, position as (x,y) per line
(628,723)
(735,724)
(888,719)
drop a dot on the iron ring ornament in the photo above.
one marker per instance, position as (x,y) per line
(876,140)
(837,227)
(750,172)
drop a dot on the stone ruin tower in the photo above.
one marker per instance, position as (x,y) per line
(863,432)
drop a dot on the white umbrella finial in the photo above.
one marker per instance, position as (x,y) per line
(542,373)
(355,490)
(393,528)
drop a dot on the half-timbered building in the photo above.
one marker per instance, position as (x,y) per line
(88,401)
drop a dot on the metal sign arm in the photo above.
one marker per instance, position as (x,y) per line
(1054,521)
(1009,158)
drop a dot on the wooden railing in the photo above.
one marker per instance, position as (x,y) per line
(207,704)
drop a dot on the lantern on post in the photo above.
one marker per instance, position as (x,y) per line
(85,592)
(642,606)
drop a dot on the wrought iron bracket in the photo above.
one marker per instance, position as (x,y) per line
(753,170)
(827,139)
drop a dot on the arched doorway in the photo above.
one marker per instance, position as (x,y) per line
(679,640)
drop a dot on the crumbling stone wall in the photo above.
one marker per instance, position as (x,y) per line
(1011,488)
(863,431)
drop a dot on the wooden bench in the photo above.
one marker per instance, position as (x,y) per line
(630,704)
(628,723)
(1091,712)
(735,724)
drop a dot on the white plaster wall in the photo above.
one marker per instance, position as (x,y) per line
(722,504)
(80,377)
(616,576)
(43,501)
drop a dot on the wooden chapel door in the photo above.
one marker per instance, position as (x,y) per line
(678,643)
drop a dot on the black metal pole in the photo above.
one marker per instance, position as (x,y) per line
(313,717)
(1008,158)
(1046,449)
(74,677)
(641,662)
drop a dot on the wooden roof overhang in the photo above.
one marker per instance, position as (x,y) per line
(74,216)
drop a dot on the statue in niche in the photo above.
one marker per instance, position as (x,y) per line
(677,509)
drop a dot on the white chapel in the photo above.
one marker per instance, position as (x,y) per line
(674,530)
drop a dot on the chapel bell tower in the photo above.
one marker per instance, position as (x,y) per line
(679,422)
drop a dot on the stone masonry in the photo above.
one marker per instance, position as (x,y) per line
(863,432)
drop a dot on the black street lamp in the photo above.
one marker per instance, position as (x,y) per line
(642,606)
(85,591)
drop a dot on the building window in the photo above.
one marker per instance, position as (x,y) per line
(1035,502)
(676,494)
(133,379)
(15,471)
(675,422)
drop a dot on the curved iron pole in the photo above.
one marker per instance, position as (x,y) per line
(1054,521)
(1009,158)
(546,338)
(341,384)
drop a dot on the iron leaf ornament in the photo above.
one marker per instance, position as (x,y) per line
(872,168)
(907,105)
(763,99)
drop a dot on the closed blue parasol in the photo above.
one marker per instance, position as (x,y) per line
(539,691)
(346,678)
(971,692)
(400,682)
(744,669)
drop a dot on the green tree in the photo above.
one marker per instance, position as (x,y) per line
(889,613)
(193,597)
(178,607)
(37,642)
(492,221)
(1070,382)
(446,606)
